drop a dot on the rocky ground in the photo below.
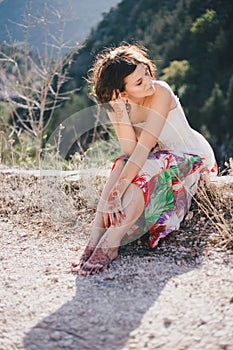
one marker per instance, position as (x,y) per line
(178,297)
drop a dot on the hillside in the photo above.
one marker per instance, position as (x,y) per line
(77,19)
(191,42)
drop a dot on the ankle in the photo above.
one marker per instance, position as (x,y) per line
(92,243)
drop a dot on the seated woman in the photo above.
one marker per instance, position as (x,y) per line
(151,185)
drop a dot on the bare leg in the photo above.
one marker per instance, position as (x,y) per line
(107,247)
(98,227)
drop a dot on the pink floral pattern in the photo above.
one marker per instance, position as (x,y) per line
(167,193)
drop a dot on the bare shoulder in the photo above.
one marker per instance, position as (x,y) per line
(163,93)
(162,87)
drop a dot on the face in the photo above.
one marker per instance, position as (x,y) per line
(139,84)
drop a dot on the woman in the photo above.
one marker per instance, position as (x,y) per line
(151,185)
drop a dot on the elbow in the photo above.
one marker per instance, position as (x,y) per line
(128,149)
(128,152)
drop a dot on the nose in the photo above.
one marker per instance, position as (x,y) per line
(148,81)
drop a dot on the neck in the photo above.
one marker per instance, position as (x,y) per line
(137,101)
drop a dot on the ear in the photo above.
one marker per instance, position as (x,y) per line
(124,94)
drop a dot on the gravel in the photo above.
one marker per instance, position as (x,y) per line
(177,297)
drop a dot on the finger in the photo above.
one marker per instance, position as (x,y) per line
(106,220)
(118,217)
(122,216)
(122,213)
(112,219)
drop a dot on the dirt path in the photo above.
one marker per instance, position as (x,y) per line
(178,297)
(173,298)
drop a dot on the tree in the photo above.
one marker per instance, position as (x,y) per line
(215,118)
(205,27)
(35,91)
(175,75)
(229,104)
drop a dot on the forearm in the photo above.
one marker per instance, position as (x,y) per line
(155,119)
(130,170)
(127,139)
(123,127)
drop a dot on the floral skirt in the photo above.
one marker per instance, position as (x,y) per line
(169,182)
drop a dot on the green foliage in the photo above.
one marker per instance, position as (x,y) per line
(214,113)
(229,100)
(175,74)
(191,43)
(76,102)
(205,24)
(16,150)
(214,106)
(5,110)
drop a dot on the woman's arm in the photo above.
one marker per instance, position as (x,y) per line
(123,127)
(156,118)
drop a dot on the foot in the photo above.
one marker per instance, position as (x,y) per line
(90,247)
(84,257)
(99,261)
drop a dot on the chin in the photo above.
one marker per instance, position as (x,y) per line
(150,92)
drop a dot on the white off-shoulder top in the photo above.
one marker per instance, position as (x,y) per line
(178,137)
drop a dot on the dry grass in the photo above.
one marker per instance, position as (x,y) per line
(215,202)
(49,205)
(20,203)
(54,205)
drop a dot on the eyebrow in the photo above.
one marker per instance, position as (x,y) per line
(137,81)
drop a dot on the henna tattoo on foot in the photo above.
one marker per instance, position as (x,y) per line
(99,261)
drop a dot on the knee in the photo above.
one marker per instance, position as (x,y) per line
(118,164)
(134,197)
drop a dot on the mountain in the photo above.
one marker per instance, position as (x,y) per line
(74,17)
(191,43)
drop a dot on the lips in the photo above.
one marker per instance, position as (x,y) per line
(152,87)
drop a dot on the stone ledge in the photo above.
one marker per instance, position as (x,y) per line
(75,175)
(222,180)
(70,175)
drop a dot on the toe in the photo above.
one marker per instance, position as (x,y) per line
(73,265)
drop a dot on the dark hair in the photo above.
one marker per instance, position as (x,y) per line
(112,66)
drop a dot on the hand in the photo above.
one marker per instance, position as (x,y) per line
(119,106)
(113,212)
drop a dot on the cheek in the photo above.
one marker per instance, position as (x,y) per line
(140,90)
(137,89)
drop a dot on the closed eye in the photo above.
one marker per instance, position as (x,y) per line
(147,73)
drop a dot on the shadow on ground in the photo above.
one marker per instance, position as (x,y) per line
(109,306)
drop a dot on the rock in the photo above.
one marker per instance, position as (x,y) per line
(65,344)
(56,335)
(167,322)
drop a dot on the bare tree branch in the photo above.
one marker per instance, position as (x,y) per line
(35,92)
